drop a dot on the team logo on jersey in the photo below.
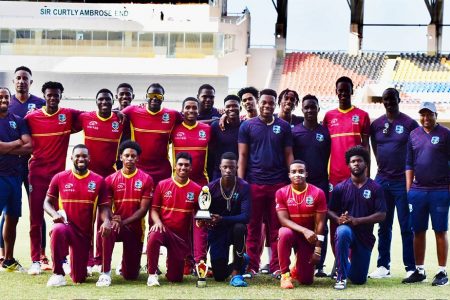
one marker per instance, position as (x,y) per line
(31,106)
(309,200)
(190,196)
(399,129)
(68,186)
(330,187)
(355,119)
(138,184)
(367,194)
(30,188)
(168,194)
(319,137)
(410,208)
(91,186)
(165,117)
(62,118)
(115,125)
(276,129)
(434,140)
(12,124)
(202,134)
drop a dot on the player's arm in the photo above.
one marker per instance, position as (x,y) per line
(243,159)
(26,146)
(50,210)
(7,147)
(285,221)
(154,212)
(409,170)
(288,155)
(373,140)
(138,214)
(319,228)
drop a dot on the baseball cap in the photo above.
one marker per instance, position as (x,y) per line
(428,105)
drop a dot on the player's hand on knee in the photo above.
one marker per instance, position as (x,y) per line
(158,227)
(105,229)
(310,236)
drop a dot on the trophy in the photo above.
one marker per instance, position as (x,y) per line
(204,201)
(202,271)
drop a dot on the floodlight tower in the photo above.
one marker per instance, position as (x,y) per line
(356,25)
(434,29)
(281,26)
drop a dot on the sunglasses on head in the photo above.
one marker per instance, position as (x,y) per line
(155,95)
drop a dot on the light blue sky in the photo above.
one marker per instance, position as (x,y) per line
(324,24)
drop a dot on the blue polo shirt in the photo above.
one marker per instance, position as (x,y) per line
(21,109)
(211,115)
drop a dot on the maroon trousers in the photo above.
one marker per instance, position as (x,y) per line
(38,192)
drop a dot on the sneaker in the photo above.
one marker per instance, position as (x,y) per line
(249,274)
(35,268)
(45,264)
(97,269)
(340,284)
(265,269)
(89,271)
(56,280)
(104,280)
(66,267)
(320,273)
(153,280)
(380,272)
(286,281)
(415,277)
(13,265)
(238,281)
(440,279)
(277,274)
(408,273)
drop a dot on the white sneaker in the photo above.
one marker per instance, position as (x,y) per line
(97,269)
(380,272)
(35,268)
(56,280)
(119,269)
(153,280)
(409,273)
(89,271)
(66,268)
(104,280)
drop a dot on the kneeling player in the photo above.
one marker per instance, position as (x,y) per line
(301,209)
(130,192)
(71,201)
(172,210)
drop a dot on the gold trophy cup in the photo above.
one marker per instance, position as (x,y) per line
(202,271)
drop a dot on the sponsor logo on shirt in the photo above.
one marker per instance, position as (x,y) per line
(138,184)
(91,186)
(93,125)
(434,140)
(180,136)
(68,187)
(62,118)
(334,122)
(309,200)
(399,129)
(168,194)
(202,134)
(190,197)
(319,137)
(165,118)
(355,119)
(31,106)
(115,126)
(276,129)
(12,124)
(120,187)
(367,194)
(291,202)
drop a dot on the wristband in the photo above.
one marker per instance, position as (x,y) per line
(320,237)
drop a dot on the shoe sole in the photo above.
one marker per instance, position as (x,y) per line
(438,285)
(379,277)
(423,281)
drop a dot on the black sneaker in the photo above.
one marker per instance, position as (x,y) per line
(320,273)
(440,279)
(13,265)
(415,277)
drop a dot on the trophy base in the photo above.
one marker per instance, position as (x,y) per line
(203,215)
(201,283)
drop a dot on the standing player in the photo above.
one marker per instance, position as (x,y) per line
(311,143)
(288,101)
(129,191)
(428,184)
(193,137)
(265,152)
(15,141)
(151,127)
(207,113)
(50,129)
(389,136)
(301,209)
(230,211)
(356,204)
(226,139)
(124,95)
(249,100)
(72,200)
(173,204)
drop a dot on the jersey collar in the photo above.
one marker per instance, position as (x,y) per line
(190,127)
(47,114)
(104,119)
(346,110)
(152,113)
(81,176)
(180,184)
(129,175)
(299,192)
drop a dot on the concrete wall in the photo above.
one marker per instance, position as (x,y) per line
(260,66)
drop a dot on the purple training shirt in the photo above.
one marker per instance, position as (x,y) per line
(21,109)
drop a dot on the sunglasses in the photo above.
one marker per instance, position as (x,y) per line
(155,95)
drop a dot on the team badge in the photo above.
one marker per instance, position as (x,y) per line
(91,186)
(410,208)
(166,117)
(309,200)
(12,124)
(31,106)
(30,188)
(399,129)
(319,137)
(434,140)
(355,119)
(62,118)
(138,184)
(202,134)
(276,129)
(115,125)
(190,196)
(330,187)
(367,194)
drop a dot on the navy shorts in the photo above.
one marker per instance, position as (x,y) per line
(425,203)
(11,195)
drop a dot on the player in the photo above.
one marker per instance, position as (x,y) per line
(311,143)
(172,210)
(130,191)
(389,136)
(207,113)
(71,202)
(288,101)
(151,127)
(249,100)
(124,95)
(301,209)
(230,211)
(428,184)
(50,129)
(265,152)
(356,204)
(15,140)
